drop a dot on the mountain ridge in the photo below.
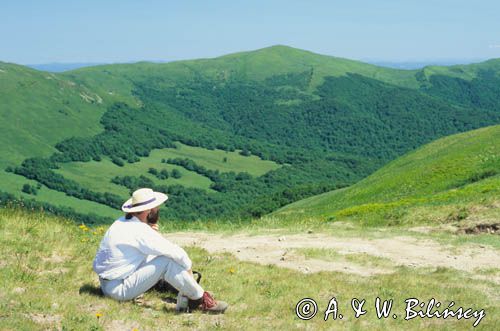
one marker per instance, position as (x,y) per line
(331,121)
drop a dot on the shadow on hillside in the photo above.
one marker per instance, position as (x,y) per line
(91,289)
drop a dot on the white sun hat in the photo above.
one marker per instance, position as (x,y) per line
(143,199)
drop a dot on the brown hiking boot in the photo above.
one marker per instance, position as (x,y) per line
(208,304)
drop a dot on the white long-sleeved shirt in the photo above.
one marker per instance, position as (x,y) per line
(127,244)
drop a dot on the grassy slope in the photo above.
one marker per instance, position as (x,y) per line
(38,110)
(445,172)
(466,72)
(14,184)
(47,283)
(117,80)
(45,108)
(113,80)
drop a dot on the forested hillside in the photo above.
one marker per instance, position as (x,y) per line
(449,179)
(312,123)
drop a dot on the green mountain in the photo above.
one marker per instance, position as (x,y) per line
(452,177)
(236,136)
(40,109)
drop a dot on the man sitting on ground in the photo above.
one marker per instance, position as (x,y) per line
(133,256)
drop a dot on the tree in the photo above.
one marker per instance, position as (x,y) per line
(28,189)
(117,161)
(245,152)
(176,174)
(163,174)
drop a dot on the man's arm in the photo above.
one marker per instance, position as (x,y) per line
(153,243)
(156,227)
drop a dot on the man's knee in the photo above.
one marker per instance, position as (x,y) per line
(170,266)
(163,261)
(117,294)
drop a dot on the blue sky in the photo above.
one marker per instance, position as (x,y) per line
(125,31)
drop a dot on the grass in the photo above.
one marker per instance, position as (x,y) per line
(361,259)
(48,283)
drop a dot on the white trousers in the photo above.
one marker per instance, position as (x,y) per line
(147,275)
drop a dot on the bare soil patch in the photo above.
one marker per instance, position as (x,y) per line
(401,251)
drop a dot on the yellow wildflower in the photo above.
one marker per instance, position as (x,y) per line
(98,315)
(231,270)
(83,227)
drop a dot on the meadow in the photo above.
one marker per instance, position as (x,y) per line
(97,175)
(48,283)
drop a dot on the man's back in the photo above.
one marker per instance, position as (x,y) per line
(127,244)
(119,254)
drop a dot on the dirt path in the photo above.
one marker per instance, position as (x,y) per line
(403,250)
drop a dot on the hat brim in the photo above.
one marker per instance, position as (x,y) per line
(158,199)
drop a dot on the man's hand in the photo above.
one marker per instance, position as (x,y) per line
(155,226)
